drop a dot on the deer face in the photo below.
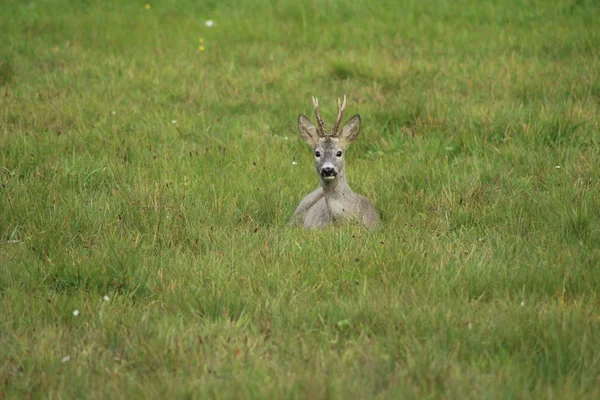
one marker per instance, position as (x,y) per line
(329,148)
(329,158)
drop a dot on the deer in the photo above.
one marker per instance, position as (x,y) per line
(333,202)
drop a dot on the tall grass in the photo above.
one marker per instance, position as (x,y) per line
(134,165)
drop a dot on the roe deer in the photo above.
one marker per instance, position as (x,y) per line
(334,201)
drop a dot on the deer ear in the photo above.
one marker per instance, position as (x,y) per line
(308,131)
(350,130)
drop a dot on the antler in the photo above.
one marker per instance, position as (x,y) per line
(334,131)
(322,131)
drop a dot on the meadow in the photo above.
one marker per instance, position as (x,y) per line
(150,163)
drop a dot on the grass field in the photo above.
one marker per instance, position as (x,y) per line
(138,166)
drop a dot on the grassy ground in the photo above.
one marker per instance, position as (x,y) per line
(136,166)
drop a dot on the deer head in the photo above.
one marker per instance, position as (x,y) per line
(329,148)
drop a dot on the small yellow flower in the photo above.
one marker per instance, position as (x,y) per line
(201,40)
(201,48)
(147,6)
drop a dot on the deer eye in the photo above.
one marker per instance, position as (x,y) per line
(339,154)
(317,154)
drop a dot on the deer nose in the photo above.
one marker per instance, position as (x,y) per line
(328,171)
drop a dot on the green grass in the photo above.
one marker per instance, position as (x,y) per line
(482,281)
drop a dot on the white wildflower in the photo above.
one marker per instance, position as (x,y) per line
(294,163)
(522,304)
(75,313)
(557,167)
(65,359)
(209,22)
(174,121)
(106,298)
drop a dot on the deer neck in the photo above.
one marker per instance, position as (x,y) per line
(337,190)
